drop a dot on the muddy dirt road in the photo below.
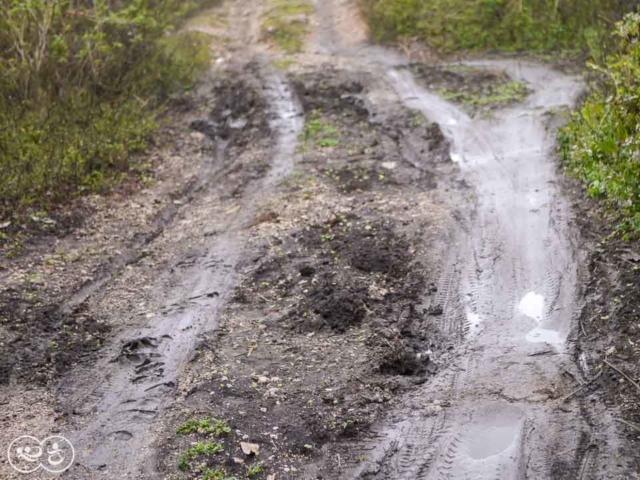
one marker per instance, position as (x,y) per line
(366,281)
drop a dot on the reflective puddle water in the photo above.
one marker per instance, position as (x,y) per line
(532,305)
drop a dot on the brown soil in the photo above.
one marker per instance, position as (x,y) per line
(329,323)
(608,336)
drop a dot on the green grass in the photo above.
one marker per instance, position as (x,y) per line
(208,425)
(283,64)
(202,448)
(601,144)
(289,8)
(287,34)
(255,469)
(531,25)
(217,474)
(319,132)
(496,95)
(284,27)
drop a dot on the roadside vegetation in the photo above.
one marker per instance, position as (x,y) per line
(81,88)
(511,25)
(286,24)
(601,145)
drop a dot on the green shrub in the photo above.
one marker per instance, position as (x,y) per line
(81,87)
(494,24)
(601,144)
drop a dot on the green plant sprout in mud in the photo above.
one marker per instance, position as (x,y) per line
(205,426)
(201,448)
(475,88)
(319,132)
(217,474)
(417,119)
(255,469)
(286,24)
(504,94)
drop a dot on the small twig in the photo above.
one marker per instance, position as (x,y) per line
(582,328)
(366,308)
(543,352)
(360,380)
(265,299)
(628,424)
(566,451)
(582,387)
(623,374)
(252,347)
(608,20)
(591,319)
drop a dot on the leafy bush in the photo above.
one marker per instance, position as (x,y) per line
(81,84)
(494,24)
(601,145)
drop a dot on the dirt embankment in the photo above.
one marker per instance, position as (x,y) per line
(608,334)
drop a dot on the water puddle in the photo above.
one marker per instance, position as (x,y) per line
(475,323)
(541,335)
(532,305)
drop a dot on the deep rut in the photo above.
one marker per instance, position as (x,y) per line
(124,403)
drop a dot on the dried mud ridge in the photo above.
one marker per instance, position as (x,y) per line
(364,280)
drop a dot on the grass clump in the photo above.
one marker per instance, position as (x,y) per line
(320,133)
(534,25)
(81,87)
(476,88)
(494,96)
(286,26)
(201,448)
(217,474)
(255,469)
(206,426)
(601,144)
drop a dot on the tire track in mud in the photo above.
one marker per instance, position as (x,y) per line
(496,278)
(494,413)
(137,381)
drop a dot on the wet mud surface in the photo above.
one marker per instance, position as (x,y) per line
(479,90)
(331,321)
(608,332)
(358,268)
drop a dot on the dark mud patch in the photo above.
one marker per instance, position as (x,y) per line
(333,93)
(237,120)
(358,151)
(480,90)
(608,331)
(318,343)
(239,111)
(337,304)
(43,342)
